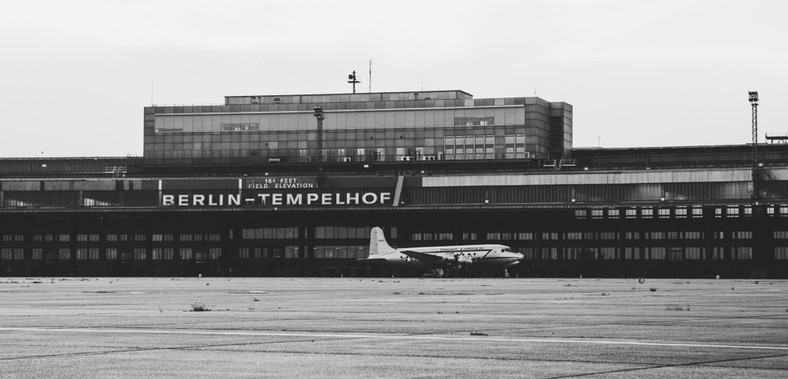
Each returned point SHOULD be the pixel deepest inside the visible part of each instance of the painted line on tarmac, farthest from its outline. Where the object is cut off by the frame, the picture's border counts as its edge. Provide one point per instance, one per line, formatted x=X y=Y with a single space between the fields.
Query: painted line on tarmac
x=394 y=337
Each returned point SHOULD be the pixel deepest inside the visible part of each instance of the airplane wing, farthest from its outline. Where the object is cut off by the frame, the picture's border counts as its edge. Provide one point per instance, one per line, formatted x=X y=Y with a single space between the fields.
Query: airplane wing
x=422 y=257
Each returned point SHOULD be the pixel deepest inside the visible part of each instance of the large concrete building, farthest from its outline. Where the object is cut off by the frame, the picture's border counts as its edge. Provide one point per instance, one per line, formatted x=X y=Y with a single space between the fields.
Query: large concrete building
x=257 y=186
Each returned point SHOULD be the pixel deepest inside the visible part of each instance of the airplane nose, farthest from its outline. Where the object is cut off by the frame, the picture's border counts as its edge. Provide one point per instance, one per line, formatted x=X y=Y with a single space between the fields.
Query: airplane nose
x=520 y=256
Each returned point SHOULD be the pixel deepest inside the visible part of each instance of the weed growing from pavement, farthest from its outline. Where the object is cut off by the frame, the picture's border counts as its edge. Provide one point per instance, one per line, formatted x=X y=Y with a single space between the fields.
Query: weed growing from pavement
x=200 y=307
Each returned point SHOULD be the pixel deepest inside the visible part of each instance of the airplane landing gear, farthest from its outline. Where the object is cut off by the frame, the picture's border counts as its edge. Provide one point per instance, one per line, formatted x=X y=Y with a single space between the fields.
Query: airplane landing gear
x=505 y=273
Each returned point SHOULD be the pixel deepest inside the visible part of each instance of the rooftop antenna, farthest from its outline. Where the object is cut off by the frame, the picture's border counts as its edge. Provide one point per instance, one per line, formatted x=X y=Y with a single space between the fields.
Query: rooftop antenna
x=352 y=79
x=421 y=83
x=370 y=75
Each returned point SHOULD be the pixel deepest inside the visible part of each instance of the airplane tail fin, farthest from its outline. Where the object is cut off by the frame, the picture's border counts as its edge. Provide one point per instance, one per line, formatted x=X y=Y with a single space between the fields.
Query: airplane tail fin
x=377 y=243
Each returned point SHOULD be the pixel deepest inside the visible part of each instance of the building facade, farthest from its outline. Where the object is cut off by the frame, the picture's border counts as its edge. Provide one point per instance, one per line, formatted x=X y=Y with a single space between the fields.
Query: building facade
x=242 y=189
x=442 y=125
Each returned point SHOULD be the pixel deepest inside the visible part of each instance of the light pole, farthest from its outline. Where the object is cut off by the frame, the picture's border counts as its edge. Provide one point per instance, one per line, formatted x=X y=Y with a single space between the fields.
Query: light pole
x=755 y=169
x=320 y=117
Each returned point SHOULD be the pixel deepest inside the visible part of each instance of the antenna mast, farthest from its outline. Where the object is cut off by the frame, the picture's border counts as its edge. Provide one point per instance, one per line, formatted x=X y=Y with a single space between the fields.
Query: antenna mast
x=370 y=75
x=352 y=79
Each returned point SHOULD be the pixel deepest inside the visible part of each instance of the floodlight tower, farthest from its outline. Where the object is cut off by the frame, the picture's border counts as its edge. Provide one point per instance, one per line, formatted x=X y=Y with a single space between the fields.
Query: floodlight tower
x=320 y=117
x=755 y=168
x=754 y=102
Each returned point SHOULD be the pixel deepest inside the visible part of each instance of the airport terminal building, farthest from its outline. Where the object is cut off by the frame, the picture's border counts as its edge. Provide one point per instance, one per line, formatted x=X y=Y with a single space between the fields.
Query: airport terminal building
x=290 y=185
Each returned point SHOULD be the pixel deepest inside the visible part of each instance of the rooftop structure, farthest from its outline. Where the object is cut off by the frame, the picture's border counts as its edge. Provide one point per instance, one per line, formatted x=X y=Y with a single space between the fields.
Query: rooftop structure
x=372 y=127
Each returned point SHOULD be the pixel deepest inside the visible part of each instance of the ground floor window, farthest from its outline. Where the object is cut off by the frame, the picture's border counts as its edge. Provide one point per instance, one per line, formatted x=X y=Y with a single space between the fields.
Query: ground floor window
x=781 y=253
x=341 y=252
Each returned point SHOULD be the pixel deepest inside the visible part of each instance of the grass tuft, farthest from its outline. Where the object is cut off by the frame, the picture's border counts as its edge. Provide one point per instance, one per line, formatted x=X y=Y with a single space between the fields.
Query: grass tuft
x=200 y=307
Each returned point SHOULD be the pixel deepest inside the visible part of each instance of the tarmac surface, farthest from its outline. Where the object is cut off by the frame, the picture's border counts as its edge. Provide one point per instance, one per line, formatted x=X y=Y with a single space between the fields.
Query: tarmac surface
x=385 y=327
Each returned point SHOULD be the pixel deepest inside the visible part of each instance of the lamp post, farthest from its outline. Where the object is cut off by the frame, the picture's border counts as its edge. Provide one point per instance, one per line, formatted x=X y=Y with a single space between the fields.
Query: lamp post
x=755 y=169
x=754 y=102
x=320 y=117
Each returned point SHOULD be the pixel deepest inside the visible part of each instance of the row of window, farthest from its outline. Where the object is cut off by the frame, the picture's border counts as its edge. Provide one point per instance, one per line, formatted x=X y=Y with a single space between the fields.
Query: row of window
x=586 y=236
x=114 y=237
x=289 y=252
x=732 y=211
x=353 y=252
x=644 y=253
x=111 y=254
x=343 y=232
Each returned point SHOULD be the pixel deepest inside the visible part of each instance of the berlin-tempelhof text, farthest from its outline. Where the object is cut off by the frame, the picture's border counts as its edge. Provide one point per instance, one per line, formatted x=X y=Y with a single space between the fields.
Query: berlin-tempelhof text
x=276 y=199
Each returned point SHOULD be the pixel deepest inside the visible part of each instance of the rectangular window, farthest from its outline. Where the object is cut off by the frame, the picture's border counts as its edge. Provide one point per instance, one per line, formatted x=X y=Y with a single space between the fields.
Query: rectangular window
x=656 y=253
x=742 y=253
x=631 y=253
x=524 y=236
x=38 y=254
x=572 y=253
x=186 y=254
x=214 y=253
x=161 y=254
x=780 y=234
x=82 y=254
x=64 y=254
x=111 y=253
x=608 y=235
x=742 y=235
x=781 y=253
x=549 y=253
x=608 y=253
x=693 y=253
x=469 y=237
x=139 y=254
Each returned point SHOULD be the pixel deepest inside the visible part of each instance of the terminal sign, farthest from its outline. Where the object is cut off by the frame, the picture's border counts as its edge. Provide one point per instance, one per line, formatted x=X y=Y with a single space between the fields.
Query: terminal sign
x=277 y=199
x=280 y=183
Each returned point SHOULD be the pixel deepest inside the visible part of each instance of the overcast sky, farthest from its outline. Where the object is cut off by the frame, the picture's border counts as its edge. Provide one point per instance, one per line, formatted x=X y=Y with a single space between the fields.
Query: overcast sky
x=75 y=75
